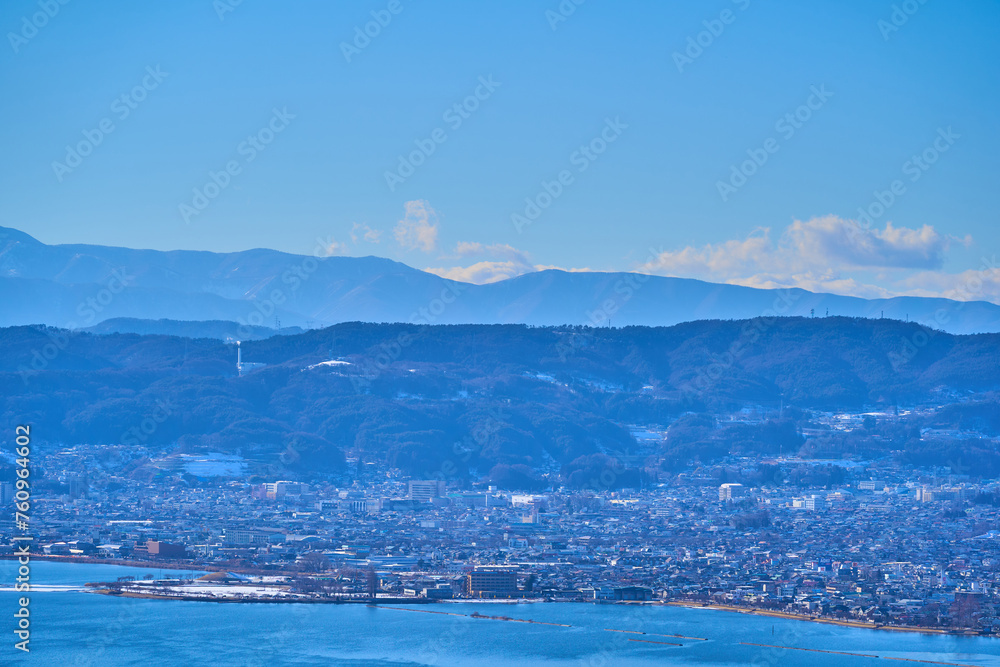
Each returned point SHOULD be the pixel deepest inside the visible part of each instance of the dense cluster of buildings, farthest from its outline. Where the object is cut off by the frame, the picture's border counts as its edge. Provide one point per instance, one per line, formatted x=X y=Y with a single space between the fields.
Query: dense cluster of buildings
x=888 y=545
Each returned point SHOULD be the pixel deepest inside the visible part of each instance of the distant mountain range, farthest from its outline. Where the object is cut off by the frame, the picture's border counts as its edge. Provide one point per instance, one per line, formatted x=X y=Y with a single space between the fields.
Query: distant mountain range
x=93 y=287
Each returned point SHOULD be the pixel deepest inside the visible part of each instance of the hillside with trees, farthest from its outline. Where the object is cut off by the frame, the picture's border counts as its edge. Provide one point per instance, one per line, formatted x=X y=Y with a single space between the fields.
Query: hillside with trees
x=509 y=401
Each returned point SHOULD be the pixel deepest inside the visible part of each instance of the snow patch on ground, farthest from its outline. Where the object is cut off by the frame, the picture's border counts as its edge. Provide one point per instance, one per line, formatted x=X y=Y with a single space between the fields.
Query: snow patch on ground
x=332 y=362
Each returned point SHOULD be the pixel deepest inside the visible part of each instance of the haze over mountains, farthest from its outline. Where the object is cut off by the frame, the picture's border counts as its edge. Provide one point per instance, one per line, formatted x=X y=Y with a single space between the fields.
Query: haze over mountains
x=80 y=286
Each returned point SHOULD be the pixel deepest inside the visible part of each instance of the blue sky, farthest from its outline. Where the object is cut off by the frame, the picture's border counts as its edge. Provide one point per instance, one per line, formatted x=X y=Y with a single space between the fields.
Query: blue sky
x=253 y=125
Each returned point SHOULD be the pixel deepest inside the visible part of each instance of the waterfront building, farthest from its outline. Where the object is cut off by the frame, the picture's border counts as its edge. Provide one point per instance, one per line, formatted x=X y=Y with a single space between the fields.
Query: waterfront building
x=492 y=580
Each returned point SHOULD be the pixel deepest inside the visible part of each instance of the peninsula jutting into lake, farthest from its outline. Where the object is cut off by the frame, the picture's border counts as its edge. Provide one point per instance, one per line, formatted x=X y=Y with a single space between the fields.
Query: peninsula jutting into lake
x=458 y=632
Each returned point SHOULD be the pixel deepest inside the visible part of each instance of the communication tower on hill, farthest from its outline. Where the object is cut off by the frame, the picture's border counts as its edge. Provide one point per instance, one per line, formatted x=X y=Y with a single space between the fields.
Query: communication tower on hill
x=241 y=367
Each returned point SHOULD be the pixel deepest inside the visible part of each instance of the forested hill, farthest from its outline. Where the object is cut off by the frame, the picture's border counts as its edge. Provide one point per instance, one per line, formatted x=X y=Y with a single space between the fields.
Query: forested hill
x=405 y=394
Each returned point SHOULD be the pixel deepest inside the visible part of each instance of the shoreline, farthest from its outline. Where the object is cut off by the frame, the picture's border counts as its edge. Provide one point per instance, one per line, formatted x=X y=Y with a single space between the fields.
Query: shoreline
x=275 y=600
x=689 y=605
x=820 y=619
x=138 y=564
x=420 y=601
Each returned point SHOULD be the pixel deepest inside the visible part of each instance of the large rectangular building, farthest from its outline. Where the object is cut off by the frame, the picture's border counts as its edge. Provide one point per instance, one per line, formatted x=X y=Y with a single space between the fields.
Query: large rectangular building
x=424 y=491
x=731 y=491
x=158 y=549
x=245 y=537
x=491 y=580
x=811 y=503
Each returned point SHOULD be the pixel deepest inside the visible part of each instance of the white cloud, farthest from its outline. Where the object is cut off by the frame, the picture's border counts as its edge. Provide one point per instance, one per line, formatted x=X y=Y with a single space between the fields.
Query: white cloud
x=333 y=247
x=499 y=250
x=831 y=238
x=361 y=231
x=823 y=254
x=498 y=261
x=466 y=248
x=723 y=261
x=815 y=255
x=546 y=267
x=831 y=254
x=817 y=283
x=419 y=227
x=484 y=272
x=827 y=244
x=982 y=284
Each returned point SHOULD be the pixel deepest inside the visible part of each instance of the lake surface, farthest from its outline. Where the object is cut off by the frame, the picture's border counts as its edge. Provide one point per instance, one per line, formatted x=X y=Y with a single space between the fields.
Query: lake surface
x=74 y=628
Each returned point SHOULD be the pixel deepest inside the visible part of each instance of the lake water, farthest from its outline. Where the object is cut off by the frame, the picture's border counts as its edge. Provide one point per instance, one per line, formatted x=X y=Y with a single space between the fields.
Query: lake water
x=74 y=628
